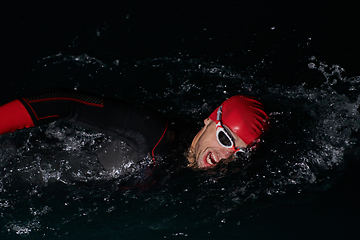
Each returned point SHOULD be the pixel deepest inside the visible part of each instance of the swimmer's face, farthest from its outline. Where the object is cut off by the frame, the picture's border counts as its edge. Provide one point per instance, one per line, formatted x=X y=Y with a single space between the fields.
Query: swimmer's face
x=207 y=150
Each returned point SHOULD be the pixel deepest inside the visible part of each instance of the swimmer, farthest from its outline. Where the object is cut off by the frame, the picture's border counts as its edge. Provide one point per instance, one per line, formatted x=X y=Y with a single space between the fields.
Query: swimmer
x=236 y=126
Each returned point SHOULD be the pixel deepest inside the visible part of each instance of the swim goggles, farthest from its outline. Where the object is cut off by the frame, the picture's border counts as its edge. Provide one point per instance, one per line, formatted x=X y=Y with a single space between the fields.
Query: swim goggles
x=225 y=138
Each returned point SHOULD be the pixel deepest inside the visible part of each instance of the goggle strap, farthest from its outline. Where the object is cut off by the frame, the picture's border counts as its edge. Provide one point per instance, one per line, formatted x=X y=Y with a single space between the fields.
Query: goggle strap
x=219 y=112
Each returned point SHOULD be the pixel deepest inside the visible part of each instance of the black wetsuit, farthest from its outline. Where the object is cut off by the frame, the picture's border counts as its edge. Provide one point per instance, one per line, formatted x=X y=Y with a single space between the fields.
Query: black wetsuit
x=146 y=132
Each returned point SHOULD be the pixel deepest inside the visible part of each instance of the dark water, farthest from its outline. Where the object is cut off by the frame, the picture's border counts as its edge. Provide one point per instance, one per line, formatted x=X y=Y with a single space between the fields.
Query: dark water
x=184 y=58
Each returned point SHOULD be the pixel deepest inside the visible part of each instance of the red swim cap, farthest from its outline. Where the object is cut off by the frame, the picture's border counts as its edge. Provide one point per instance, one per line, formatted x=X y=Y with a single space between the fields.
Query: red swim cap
x=245 y=116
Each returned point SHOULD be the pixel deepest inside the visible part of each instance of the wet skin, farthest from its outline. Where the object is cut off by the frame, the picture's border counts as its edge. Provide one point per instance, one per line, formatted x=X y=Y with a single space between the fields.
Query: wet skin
x=208 y=151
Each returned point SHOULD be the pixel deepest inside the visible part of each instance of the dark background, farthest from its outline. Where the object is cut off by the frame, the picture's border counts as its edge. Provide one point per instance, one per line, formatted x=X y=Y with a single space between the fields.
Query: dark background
x=236 y=32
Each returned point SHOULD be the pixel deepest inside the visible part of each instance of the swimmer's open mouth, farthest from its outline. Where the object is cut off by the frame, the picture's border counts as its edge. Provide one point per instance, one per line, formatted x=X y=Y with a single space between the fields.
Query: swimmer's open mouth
x=210 y=159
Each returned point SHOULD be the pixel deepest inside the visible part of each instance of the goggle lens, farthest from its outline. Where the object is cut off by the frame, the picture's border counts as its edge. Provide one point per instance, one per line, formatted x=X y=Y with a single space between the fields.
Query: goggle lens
x=224 y=139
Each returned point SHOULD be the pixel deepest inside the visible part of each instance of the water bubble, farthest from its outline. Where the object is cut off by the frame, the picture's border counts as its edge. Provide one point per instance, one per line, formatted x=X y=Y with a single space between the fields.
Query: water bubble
x=312 y=65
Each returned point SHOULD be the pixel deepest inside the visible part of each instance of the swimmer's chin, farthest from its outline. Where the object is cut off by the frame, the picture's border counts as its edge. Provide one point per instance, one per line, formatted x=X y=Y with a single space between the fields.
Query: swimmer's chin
x=193 y=160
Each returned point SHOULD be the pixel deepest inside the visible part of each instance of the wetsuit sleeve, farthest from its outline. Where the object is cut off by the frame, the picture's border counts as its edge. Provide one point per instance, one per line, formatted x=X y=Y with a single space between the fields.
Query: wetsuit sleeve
x=145 y=129
x=14 y=116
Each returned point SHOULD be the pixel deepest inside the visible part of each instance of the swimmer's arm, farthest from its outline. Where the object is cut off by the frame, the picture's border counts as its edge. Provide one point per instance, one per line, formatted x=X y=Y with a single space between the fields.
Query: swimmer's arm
x=44 y=107
x=91 y=111
x=142 y=127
